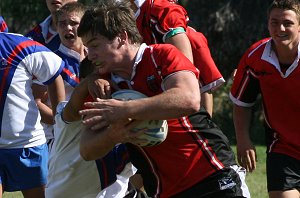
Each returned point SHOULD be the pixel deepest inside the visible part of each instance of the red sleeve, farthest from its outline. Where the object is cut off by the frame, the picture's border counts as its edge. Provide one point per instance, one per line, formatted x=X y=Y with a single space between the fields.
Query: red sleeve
x=169 y=16
x=210 y=76
x=173 y=60
x=245 y=87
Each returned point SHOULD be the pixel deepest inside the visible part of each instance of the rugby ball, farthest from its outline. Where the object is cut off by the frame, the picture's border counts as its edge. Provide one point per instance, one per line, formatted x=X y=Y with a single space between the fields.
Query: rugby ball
x=157 y=130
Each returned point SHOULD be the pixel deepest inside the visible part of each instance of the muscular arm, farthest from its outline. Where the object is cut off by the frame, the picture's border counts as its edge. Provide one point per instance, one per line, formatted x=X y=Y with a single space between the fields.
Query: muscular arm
x=56 y=92
x=181 y=98
x=246 y=153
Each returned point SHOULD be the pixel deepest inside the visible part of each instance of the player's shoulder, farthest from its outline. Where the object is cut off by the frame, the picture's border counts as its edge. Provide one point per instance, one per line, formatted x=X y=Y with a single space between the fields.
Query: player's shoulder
x=258 y=45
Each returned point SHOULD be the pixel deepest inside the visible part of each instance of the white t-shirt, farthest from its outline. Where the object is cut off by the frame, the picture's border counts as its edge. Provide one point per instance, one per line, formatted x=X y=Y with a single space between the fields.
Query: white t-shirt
x=70 y=175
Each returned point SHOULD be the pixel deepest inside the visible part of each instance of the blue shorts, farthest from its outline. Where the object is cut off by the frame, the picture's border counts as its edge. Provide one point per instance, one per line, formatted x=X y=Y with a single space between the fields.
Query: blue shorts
x=23 y=168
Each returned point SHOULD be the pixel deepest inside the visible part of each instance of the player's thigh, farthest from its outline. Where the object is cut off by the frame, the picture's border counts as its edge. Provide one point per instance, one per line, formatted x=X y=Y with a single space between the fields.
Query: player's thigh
x=284 y=194
x=283 y=173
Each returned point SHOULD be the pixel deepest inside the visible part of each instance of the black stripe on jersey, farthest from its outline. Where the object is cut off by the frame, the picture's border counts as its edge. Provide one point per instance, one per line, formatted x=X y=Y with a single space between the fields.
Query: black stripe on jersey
x=216 y=142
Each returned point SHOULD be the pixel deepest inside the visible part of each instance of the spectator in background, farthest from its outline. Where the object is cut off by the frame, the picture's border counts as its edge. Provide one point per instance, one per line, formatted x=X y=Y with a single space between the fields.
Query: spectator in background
x=3 y=25
x=270 y=67
x=23 y=152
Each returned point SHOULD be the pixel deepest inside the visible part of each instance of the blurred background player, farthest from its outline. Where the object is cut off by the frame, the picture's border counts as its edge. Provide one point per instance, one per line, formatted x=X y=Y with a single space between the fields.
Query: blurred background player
x=195 y=160
x=45 y=32
x=163 y=21
x=270 y=68
x=3 y=25
x=72 y=51
x=23 y=148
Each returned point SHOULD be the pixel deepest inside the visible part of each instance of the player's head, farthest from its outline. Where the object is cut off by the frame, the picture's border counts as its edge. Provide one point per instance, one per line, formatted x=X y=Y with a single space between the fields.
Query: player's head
x=110 y=18
x=54 y=5
x=109 y=32
x=283 y=22
x=293 y=5
x=67 y=21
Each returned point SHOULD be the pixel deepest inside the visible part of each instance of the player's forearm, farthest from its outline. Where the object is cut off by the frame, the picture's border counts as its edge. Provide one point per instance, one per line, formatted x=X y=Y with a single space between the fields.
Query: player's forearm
x=207 y=102
x=94 y=144
x=56 y=92
x=242 y=118
x=80 y=93
x=46 y=113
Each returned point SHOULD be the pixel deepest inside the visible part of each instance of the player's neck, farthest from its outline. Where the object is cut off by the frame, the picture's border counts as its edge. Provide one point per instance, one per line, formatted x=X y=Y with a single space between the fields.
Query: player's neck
x=286 y=54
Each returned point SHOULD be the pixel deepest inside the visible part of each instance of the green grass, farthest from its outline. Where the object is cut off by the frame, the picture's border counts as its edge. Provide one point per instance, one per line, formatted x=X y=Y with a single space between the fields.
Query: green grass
x=256 y=180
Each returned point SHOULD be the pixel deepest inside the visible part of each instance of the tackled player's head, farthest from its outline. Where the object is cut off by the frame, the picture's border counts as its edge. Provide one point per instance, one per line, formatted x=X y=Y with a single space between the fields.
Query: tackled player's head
x=109 y=18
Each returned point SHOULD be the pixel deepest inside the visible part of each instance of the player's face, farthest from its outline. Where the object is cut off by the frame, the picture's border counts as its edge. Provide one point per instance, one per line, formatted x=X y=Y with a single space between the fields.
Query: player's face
x=54 y=5
x=67 y=25
x=106 y=55
x=284 y=28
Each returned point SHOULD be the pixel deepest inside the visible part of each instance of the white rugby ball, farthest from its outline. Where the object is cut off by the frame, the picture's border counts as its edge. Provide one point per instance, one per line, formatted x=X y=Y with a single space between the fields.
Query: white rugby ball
x=157 y=130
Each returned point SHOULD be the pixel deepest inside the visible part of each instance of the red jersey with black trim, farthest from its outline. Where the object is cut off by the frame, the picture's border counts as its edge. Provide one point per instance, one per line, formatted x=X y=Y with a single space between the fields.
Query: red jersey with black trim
x=259 y=72
x=194 y=148
x=156 y=18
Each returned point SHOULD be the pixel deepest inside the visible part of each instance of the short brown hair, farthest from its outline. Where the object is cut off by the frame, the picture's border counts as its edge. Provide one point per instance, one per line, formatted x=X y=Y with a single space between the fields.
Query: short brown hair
x=71 y=7
x=109 y=18
x=293 y=5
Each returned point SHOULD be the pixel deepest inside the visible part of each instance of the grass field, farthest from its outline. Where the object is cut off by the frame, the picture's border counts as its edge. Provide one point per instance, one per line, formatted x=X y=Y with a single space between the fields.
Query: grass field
x=256 y=181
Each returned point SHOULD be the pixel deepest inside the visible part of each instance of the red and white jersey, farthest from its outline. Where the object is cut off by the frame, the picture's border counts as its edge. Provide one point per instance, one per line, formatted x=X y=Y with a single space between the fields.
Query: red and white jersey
x=259 y=72
x=21 y=60
x=188 y=154
x=158 y=18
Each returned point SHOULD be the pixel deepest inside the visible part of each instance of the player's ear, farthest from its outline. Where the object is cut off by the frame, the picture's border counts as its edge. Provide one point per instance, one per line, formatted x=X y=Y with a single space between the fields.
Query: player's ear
x=123 y=37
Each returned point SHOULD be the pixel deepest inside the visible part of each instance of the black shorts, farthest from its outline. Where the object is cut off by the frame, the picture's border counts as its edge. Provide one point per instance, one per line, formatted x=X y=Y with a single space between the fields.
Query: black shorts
x=283 y=172
x=228 y=182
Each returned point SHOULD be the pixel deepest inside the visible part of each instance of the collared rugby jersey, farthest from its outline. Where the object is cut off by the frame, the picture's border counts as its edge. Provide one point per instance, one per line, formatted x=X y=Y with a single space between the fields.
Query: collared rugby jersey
x=21 y=60
x=259 y=72
x=194 y=149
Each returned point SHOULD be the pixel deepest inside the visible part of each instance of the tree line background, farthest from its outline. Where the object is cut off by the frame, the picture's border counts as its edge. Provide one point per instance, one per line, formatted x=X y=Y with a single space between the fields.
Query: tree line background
x=230 y=26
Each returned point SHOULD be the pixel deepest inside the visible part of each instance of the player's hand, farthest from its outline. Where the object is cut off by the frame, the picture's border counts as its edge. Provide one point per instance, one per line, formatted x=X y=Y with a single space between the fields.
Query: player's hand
x=103 y=113
x=246 y=155
x=99 y=88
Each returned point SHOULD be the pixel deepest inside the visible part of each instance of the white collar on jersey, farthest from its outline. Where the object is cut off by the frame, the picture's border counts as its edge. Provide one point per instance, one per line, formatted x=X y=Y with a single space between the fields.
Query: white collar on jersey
x=62 y=48
x=270 y=56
